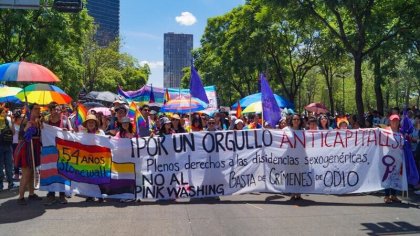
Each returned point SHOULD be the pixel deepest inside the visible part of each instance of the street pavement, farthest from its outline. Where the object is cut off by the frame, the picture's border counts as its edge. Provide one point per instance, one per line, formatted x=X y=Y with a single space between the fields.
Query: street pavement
x=248 y=214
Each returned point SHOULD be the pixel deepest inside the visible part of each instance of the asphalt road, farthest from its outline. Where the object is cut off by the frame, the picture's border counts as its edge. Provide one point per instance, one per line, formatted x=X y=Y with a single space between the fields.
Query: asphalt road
x=250 y=214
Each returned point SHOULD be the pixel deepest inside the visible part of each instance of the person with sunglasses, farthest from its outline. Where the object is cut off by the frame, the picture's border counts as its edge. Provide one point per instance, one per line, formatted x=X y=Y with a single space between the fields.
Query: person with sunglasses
x=324 y=123
x=176 y=124
x=211 y=124
x=146 y=130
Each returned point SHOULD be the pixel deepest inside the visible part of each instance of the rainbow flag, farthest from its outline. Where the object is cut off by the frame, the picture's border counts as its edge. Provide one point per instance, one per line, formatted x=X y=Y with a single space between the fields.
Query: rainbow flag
x=238 y=110
x=132 y=110
x=87 y=163
x=81 y=114
x=139 y=121
x=166 y=97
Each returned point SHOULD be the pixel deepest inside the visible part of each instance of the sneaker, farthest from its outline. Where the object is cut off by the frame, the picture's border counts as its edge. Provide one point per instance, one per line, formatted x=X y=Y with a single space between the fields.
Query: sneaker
x=34 y=197
x=22 y=202
x=62 y=200
x=50 y=200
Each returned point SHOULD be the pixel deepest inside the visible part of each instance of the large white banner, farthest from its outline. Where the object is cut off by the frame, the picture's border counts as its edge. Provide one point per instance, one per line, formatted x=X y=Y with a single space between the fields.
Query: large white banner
x=205 y=164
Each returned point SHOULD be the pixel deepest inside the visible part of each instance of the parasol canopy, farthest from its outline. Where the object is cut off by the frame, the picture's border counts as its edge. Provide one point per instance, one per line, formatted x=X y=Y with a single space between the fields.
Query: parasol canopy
x=26 y=72
x=43 y=94
x=184 y=104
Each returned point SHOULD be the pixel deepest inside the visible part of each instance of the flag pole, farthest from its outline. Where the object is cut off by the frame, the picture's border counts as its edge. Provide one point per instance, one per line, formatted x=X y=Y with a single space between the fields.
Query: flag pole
x=31 y=142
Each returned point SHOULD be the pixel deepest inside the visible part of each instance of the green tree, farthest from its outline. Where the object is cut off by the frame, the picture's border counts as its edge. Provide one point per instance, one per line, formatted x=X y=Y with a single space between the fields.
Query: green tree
x=361 y=26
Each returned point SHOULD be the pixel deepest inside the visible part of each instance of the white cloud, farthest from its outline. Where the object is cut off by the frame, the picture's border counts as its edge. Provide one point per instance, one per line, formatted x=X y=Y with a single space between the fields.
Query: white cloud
x=186 y=18
x=153 y=64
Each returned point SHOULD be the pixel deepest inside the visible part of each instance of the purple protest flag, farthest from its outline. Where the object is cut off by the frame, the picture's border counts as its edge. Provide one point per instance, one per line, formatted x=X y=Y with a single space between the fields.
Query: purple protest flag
x=410 y=164
x=196 y=87
x=270 y=109
x=152 y=95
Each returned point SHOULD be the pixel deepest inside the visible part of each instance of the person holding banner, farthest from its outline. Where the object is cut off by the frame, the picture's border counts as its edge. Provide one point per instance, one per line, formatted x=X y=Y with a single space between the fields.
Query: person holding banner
x=126 y=130
x=238 y=125
x=146 y=130
x=342 y=123
x=55 y=119
x=27 y=153
x=91 y=125
x=390 y=193
x=176 y=124
x=166 y=128
x=312 y=123
x=324 y=122
x=296 y=123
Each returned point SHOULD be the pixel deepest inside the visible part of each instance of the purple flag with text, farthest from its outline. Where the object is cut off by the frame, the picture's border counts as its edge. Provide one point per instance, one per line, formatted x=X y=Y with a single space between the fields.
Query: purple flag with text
x=196 y=87
x=270 y=109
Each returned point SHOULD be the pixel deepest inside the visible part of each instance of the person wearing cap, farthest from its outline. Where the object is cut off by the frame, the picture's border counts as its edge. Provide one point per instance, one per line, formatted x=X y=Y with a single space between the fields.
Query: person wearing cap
x=126 y=130
x=152 y=121
x=239 y=124
x=121 y=112
x=390 y=193
x=176 y=124
x=166 y=128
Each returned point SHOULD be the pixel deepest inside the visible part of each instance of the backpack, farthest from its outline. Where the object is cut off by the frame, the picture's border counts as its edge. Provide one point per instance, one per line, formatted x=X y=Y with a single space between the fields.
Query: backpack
x=6 y=135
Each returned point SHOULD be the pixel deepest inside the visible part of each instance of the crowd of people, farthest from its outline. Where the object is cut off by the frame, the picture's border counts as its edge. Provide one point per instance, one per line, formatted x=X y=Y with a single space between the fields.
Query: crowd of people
x=20 y=144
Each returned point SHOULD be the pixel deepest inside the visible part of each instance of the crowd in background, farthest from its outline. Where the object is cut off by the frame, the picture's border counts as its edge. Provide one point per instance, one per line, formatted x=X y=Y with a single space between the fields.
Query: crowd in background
x=21 y=129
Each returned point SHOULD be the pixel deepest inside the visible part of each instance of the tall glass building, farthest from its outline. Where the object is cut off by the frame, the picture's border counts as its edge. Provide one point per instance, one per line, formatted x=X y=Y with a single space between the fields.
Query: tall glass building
x=106 y=14
x=176 y=55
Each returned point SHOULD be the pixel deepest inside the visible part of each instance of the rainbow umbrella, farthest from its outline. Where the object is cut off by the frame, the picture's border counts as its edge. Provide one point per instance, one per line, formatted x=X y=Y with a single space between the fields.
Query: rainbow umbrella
x=184 y=104
x=255 y=107
x=8 y=94
x=26 y=72
x=43 y=94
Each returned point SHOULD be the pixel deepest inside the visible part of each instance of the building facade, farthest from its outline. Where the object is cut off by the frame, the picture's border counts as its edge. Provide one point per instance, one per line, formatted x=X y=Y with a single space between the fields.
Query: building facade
x=106 y=14
x=176 y=55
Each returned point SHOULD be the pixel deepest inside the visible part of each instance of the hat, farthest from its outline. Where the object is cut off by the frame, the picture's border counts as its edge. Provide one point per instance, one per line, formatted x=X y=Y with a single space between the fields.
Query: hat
x=164 y=120
x=237 y=121
x=341 y=120
x=119 y=101
x=125 y=120
x=120 y=107
x=393 y=117
x=152 y=112
x=90 y=117
x=176 y=116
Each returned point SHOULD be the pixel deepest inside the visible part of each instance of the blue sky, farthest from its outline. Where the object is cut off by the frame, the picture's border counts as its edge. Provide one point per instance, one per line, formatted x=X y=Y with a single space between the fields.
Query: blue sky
x=143 y=23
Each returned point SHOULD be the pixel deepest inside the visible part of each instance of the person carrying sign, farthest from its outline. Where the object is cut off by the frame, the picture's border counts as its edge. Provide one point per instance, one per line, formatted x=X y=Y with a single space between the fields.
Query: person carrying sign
x=27 y=153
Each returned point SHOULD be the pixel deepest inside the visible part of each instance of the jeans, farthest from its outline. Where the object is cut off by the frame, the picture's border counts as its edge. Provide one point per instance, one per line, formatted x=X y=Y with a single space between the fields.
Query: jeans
x=6 y=161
